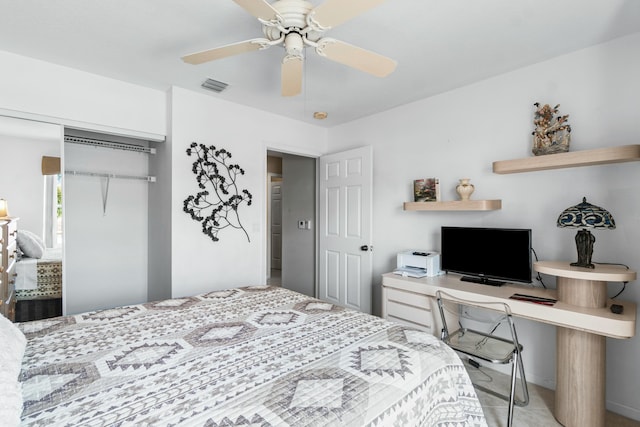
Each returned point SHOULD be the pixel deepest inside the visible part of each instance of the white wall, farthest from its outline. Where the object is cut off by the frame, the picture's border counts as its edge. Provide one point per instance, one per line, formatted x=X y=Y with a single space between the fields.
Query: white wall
x=105 y=249
x=22 y=145
x=65 y=94
x=198 y=263
x=460 y=133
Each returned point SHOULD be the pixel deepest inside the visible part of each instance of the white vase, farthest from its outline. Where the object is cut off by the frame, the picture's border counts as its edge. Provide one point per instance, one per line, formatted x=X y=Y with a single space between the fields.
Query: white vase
x=465 y=189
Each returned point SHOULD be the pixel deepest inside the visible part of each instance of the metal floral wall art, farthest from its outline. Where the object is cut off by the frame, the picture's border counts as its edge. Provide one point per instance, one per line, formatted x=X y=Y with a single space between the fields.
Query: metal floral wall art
x=216 y=205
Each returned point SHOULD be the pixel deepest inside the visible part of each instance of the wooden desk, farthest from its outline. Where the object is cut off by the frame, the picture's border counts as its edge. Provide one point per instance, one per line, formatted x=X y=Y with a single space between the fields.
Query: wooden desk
x=581 y=355
x=582 y=325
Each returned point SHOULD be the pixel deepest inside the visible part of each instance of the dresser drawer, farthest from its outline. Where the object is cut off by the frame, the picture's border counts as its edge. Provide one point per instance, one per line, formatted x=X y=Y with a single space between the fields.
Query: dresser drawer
x=9 y=233
x=9 y=307
x=13 y=228
x=9 y=255
x=10 y=278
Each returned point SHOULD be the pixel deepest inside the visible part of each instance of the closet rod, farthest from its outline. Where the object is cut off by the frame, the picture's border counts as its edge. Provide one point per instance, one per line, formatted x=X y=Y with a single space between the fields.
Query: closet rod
x=109 y=144
x=112 y=175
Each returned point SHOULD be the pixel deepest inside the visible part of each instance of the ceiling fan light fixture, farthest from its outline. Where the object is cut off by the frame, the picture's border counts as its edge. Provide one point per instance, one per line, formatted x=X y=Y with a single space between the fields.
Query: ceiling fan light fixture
x=297 y=24
x=214 y=85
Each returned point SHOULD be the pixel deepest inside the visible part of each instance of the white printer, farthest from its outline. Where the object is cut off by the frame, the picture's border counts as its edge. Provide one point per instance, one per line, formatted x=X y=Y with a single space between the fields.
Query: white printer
x=418 y=263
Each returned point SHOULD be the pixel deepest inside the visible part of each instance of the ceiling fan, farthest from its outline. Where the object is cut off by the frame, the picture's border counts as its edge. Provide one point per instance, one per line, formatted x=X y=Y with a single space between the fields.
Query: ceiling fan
x=296 y=24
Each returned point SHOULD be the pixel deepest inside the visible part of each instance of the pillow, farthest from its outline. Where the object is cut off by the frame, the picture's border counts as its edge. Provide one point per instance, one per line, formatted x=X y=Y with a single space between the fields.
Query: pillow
x=30 y=244
x=11 y=353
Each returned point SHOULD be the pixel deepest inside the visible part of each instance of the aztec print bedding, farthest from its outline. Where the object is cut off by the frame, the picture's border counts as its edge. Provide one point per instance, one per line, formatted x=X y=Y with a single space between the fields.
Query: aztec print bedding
x=258 y=356
x=49 y=282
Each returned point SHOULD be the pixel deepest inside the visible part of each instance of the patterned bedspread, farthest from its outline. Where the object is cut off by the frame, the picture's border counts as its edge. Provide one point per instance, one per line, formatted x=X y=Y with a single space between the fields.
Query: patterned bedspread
x=255 y=356
x=49 y=282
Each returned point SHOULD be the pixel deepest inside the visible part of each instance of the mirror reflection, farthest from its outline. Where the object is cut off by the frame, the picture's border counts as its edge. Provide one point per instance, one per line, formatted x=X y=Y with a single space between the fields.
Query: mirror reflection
x=31 y=186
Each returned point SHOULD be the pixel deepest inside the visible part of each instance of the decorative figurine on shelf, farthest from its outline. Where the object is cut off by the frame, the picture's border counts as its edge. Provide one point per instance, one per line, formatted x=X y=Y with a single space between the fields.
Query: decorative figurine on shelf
x=552 y=134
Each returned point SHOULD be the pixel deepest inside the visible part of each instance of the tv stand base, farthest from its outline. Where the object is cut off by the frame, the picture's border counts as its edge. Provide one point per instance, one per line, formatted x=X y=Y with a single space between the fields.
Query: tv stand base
x=482 y=280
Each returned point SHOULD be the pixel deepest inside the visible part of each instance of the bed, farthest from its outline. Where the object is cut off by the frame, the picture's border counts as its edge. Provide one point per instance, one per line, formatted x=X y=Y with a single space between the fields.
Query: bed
x=39 y=278
x=39 y=286
x=259 y=356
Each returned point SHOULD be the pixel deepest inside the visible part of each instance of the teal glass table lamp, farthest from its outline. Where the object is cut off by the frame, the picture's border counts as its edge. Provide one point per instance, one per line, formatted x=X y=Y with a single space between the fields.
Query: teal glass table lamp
x=584 y=216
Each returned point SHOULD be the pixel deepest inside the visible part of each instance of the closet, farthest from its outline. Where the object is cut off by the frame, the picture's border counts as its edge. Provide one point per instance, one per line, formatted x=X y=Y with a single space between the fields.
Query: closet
x=106 y=205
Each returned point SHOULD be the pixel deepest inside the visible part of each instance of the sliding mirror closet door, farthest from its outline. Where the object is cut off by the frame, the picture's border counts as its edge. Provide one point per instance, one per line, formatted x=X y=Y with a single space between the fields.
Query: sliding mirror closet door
x=31 y=186
x=106 y=188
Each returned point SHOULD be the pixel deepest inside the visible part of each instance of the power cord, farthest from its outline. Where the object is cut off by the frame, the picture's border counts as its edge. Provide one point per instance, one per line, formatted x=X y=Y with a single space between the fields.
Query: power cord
x=611 y=263
x=624 y=284
x=538 y=276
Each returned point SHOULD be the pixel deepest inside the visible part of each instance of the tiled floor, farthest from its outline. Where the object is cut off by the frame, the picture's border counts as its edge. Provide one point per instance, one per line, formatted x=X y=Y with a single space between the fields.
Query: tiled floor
x=539 y=412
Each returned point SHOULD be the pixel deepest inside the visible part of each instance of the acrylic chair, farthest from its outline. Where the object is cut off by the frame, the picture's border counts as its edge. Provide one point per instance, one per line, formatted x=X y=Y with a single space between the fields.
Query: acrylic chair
x=486 y=346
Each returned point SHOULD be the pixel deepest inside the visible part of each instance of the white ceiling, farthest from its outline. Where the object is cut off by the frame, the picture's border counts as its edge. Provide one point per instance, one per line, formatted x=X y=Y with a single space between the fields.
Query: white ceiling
x=439 y=45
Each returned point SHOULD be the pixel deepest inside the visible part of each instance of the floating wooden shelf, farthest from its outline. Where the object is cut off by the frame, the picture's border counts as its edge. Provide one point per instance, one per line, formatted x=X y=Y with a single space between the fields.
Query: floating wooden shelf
x=455 y=205
x=599 y=156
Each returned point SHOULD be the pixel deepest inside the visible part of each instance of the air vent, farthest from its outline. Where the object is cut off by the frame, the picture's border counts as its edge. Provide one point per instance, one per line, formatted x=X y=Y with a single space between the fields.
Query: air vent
x=214 y=85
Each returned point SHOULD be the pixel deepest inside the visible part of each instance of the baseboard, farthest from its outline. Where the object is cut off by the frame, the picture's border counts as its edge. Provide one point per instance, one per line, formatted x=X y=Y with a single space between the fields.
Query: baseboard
x=625 y=411
x=542 y=382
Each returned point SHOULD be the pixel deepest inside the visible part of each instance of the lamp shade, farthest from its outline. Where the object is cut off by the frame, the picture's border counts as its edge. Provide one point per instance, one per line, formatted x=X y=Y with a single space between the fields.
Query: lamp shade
x=586 y=215
x=4 y=208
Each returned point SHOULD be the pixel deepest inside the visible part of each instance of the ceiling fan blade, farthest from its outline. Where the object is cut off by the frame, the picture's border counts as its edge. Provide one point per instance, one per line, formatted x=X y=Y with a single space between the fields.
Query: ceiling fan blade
x=224 y=51
x=356 y=57
x=291 y=78
x=258 y=8
x=334 y=12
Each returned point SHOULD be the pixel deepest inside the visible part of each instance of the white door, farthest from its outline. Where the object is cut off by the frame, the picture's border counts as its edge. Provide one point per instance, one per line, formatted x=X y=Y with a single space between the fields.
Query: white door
x=276 y=225
x=345 y=228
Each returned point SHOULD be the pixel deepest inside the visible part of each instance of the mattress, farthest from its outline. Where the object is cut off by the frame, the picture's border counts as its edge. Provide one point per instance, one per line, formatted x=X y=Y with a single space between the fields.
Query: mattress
x=259 y=356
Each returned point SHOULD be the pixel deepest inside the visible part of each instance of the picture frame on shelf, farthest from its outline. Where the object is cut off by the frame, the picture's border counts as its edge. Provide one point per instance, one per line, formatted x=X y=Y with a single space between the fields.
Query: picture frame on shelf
x=426 y=190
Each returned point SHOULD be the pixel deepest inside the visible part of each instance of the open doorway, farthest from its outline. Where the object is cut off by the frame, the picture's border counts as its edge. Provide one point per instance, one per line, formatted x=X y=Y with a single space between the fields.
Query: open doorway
x=274 y=219
x=291 y=213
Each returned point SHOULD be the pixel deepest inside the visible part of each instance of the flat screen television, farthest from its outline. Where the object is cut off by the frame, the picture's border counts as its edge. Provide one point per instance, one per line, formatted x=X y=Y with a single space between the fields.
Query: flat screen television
x=490 y=256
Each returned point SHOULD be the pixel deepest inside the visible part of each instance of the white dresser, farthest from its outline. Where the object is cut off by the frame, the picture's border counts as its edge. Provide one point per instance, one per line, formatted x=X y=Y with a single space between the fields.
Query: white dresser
x=8 y=255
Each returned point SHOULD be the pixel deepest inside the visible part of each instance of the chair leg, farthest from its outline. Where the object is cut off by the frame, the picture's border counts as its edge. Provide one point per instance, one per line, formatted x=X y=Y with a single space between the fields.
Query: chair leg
x=512 y=392
x=523 y=380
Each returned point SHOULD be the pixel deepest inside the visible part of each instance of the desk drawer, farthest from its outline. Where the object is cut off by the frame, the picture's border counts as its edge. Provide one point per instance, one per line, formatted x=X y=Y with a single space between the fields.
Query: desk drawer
x=409 y=298
x=416 y=316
